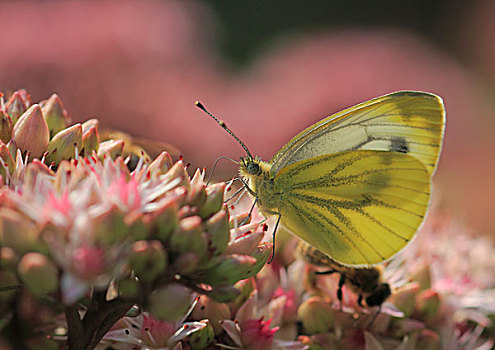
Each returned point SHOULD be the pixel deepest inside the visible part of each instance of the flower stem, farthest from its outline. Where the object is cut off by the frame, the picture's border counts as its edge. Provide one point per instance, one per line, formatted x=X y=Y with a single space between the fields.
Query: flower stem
x=86 y=333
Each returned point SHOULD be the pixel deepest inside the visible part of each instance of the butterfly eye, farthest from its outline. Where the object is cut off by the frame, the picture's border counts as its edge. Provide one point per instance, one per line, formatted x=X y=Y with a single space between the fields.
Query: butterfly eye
x=253 y=168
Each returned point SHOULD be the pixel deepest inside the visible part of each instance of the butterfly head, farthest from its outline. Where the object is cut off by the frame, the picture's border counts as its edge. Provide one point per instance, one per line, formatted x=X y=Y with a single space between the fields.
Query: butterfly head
x=250 y=166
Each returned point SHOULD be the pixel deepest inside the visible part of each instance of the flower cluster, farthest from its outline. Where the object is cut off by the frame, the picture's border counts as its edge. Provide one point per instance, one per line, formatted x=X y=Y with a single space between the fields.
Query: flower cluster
x=83 y=232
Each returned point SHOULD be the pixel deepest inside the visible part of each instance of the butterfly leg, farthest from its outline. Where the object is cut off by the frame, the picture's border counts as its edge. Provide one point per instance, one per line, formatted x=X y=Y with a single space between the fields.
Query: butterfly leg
x=215 y=165
x=235 y=194
x=273 y=235
x=248 y=218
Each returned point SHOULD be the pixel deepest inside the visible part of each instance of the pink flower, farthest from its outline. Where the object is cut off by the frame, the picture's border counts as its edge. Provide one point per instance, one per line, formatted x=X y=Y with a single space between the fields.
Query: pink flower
x=256 y=334
x=156 y=332
x=125 y=193
x=146 y=332
x=290 y=305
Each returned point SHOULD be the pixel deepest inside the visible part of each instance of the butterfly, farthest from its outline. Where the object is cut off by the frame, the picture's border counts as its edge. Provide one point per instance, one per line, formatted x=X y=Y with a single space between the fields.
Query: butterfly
x=355 y=185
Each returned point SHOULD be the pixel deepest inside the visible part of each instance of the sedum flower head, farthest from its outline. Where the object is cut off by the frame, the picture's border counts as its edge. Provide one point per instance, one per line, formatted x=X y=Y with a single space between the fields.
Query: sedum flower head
x=98 y=222
x=86 y=228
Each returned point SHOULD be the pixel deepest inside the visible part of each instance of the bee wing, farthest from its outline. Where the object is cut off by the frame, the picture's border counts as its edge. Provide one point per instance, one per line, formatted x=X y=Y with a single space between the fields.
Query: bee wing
x=406 y=122
x=358 y=207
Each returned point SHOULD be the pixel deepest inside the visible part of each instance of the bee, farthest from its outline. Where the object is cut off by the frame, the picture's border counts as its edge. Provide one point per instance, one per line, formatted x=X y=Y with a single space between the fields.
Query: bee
x=366 y=282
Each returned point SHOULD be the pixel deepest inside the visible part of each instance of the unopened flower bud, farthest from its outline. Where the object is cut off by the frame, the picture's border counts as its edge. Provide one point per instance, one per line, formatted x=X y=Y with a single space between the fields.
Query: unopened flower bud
x=6 y=127
x=128 y=288
x=7 y=161
x=17 y=232
x=108 y=225
x=110 y=148
x=246 y=287
x=8 y=258
x=422 y=275
x=90 y=123
x=223 y=293
x=26 y=97
x=428 y=303
x=214 y=200
x=218 y=230
x=164 y=218
x=15 y=106
x=189 y=236
x=148 y=259
x=64 y=144
x=213 y=311
x=203 y=337
x=31 y=132
x=33 y=169
x=12 y=146
x=404 y=298
x=90 y=141
x=316 y=315
x=187 y=211
x=196 y=195
x=231 y=269
x=246 y=243
x=187 y=262
x=170 y=302
x=54 y=114
x=161 y=164
x=178 y=171
x=38 y=273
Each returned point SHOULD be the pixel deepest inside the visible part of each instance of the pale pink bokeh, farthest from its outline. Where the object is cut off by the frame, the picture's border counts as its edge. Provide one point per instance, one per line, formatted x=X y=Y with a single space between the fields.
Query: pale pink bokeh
x=140 y=67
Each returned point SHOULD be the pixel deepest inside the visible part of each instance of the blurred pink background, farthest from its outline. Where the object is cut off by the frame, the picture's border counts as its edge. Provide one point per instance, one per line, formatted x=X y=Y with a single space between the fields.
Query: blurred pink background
x=139 y=67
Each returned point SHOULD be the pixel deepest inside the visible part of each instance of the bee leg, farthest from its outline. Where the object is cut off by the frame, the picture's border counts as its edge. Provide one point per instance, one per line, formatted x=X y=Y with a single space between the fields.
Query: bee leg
x=273 y=239
x=375 y=316
x=339 y=291
x=360 y=300
x=328 y=272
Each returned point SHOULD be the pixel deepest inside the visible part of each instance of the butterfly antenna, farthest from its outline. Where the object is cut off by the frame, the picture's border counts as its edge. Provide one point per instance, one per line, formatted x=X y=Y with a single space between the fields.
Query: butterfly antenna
x=224 y=126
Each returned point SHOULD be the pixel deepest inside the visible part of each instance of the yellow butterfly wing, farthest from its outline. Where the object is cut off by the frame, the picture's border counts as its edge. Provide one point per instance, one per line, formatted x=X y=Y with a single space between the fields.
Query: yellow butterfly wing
x=406 y=121
x=359 y=207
